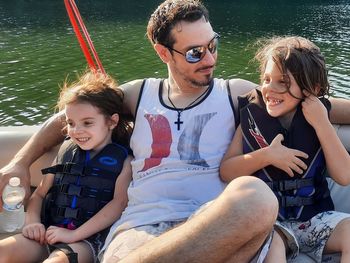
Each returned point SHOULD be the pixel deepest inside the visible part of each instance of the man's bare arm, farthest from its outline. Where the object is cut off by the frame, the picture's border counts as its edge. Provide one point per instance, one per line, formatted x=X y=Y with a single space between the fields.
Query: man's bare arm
x=340 y=111
x=47 y=137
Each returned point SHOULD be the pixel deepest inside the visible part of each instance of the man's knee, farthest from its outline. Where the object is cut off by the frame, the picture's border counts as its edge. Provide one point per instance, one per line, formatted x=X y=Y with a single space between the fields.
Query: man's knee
x=6 y=250
x=253 y=198
x=4 y=255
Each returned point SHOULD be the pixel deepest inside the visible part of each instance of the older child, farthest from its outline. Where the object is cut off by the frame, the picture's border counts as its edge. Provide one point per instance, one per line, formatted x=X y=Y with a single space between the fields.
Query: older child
x=285 y=138
x=69 y=213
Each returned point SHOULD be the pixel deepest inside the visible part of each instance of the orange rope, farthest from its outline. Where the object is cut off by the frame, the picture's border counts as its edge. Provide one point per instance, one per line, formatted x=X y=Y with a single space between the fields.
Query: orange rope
x=74 y=15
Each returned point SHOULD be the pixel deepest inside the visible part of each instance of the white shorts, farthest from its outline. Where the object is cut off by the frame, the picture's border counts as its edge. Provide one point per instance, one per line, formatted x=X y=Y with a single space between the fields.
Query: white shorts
x=128 y=240
x=310 y=237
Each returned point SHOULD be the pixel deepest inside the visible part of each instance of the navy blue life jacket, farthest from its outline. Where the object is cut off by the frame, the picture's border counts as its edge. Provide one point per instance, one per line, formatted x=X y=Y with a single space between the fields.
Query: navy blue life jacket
x=302 y=196
x=82 y=186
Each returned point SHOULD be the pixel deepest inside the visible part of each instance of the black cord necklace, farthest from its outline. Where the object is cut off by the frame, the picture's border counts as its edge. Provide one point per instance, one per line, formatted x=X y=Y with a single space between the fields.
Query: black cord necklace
x=178 y=122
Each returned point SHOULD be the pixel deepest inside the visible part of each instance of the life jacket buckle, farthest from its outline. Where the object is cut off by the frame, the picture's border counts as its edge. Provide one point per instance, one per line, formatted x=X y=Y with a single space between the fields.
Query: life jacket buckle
x=71 y=189
x=287 y=201
x=73 y=168
x=68 y=212
x=285 y=185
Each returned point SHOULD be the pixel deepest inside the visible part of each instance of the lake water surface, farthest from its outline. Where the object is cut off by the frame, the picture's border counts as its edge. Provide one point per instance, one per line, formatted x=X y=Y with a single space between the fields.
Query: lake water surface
x=38 y=48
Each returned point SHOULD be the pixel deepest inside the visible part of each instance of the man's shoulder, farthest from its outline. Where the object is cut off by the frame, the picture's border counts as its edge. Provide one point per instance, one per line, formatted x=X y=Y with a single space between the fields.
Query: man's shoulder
x=133 y=84
x=136 y=84
x=240 y=87
x=131 y=92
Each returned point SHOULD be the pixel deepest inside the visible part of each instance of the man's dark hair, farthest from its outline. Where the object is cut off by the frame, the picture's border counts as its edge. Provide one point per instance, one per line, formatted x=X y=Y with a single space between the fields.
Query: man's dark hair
x=168 y=14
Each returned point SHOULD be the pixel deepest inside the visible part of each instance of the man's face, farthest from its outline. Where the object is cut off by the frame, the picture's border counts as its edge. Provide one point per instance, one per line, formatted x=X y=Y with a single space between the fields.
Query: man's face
x=188 y=35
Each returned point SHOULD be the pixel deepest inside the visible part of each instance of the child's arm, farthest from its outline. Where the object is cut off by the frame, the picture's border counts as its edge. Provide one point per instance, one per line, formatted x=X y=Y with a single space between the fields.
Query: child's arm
x=33 y=228
x=337 y=158
x=235 y=163
x=103 y=219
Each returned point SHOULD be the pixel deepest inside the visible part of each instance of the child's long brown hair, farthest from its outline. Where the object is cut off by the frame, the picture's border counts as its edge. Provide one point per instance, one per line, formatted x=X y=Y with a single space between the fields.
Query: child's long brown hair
x=299 y=56
x=102 y=92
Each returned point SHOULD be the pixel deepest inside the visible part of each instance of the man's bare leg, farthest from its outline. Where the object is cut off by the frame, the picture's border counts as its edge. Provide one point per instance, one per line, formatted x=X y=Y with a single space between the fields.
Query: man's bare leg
x=231 y=229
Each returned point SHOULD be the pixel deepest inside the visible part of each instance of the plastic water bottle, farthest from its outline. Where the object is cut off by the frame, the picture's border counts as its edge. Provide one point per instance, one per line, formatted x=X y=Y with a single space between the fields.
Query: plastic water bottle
x=13 y=212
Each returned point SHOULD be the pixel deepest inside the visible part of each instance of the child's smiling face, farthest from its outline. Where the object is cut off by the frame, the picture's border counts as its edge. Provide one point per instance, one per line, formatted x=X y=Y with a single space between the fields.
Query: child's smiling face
x=279 y=101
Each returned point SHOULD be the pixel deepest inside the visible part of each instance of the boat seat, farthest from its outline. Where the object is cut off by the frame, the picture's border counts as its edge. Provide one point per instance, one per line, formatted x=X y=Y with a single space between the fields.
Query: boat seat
x=13 y=138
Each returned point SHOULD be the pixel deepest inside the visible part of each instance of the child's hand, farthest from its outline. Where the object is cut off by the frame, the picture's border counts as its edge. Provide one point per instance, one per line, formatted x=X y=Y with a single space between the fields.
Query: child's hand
x=285 y=158
x=56 y=234
x=35 y=231
x=314 y=111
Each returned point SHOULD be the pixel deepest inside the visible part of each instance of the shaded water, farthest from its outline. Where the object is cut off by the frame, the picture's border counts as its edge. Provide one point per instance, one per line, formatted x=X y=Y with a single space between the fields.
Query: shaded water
x=38 y=48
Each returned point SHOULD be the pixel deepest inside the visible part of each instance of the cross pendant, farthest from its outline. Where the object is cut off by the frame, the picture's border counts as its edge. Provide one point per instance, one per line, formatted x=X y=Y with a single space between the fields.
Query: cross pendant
x=178 y=122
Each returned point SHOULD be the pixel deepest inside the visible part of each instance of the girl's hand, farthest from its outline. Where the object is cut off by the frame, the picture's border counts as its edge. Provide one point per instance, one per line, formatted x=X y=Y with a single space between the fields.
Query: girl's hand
x=56 y=234
x=285 y=158
x=35 y=231
x=314 y=111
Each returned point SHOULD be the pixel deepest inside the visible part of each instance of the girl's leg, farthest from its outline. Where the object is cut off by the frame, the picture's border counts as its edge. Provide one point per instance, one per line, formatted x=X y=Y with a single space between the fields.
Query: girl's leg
x=339 y=240
x=277 y=251
x=20 y=249
x=81 y=248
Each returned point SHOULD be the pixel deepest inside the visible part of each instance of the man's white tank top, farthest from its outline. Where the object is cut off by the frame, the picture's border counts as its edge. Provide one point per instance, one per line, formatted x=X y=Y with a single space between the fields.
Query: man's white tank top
x=175 y=171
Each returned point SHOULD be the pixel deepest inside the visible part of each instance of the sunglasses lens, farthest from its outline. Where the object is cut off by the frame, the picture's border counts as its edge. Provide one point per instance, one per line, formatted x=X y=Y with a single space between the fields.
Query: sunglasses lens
x=213 y=45
x=195 y=54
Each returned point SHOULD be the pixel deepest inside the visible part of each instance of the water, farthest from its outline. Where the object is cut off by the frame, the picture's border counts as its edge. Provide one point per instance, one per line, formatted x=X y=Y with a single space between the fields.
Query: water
x=38 y=48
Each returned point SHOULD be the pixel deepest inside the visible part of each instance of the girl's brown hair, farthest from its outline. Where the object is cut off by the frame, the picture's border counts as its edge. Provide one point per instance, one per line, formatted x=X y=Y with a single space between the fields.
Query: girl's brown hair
x=101 y=91
x=299 y=56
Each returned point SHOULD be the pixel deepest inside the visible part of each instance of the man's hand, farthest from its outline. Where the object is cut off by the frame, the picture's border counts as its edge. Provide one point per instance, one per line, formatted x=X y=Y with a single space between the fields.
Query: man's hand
x=11 y=170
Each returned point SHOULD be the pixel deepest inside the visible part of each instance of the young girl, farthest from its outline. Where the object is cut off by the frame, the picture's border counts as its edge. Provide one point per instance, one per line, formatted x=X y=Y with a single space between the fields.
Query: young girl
x=285 y=138
x=69 y=213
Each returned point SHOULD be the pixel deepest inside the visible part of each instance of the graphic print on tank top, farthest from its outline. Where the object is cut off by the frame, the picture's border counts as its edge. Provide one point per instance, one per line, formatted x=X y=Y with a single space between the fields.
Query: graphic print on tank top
x=188 y=146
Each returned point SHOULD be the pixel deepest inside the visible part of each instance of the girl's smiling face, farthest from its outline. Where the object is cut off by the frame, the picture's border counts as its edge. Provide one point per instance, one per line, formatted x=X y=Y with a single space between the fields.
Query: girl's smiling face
x=280 y=101
x=87 y=126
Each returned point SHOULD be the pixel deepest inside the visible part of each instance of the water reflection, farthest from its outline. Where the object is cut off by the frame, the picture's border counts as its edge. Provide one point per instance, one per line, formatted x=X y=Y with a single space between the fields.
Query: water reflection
x=38 y=47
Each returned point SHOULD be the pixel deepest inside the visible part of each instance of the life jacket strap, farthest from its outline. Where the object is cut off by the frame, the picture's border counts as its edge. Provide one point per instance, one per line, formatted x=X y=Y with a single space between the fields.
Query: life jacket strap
x=71 y=168
x=72 y=189
x=286 y=185
x=89 y=204
x=288 y=201
x=67 y=212
x=61 y=213
x=77 y=169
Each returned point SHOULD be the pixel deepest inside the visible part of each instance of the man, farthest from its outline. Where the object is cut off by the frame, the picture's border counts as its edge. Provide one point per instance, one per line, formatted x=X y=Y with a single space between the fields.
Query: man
x=183 y=126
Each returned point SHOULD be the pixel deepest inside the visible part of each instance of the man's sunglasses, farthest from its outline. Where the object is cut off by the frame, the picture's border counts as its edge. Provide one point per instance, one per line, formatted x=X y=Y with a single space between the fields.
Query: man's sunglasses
x=196 y=54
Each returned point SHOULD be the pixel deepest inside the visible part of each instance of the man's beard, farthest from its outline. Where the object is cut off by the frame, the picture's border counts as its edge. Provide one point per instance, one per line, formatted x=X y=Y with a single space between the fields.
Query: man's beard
x=201 y=84
x=194 y=82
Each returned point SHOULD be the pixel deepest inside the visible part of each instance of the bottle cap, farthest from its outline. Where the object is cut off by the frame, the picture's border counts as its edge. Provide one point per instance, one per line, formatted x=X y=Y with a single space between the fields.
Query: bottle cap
x=14 y=181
